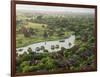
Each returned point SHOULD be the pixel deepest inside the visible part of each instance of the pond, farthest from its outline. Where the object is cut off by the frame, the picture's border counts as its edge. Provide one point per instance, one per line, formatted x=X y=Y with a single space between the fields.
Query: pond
x=66 y=43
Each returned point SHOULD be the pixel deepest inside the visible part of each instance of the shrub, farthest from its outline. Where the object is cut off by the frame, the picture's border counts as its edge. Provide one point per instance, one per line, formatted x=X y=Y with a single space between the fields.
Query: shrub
x=45 y=50
x=20 y=41
x=63 y=49
x=34 y=68
x=66 y=54
x=39 y=56
x=41 y=65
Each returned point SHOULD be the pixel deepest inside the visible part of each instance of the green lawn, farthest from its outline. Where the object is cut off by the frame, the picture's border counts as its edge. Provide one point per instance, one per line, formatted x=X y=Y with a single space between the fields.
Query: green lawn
x=24 y=41
x=35 y=26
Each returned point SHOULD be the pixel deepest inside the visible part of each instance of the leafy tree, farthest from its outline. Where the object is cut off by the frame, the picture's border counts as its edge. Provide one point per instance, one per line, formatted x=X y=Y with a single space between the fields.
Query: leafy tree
x=39 y=17
x=24 y=63
x=29 y=50
x=34 y=68
x=32 y=31
x=24 y=30
x=26 y=69
x=48 y=62
x=45 y=35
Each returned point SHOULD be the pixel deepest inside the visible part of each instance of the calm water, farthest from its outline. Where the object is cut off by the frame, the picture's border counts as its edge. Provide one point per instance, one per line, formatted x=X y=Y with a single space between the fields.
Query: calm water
x=48 y=45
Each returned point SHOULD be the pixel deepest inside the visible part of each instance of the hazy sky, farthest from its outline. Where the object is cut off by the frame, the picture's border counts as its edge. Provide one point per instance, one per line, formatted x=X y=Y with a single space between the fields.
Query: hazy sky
x=53 y=8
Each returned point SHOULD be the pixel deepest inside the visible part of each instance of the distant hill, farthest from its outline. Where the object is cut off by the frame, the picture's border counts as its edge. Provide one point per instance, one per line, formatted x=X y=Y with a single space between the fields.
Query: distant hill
x=51 y=12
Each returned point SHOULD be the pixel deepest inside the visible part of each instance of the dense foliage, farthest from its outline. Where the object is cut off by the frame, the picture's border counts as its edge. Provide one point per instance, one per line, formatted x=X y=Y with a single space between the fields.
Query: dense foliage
x=37 y=28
